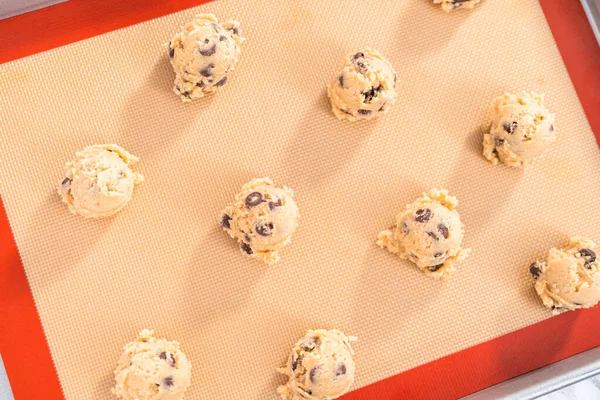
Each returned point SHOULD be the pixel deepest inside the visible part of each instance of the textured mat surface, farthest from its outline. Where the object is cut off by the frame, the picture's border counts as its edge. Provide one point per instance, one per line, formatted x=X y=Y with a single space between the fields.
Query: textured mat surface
x=163 y=262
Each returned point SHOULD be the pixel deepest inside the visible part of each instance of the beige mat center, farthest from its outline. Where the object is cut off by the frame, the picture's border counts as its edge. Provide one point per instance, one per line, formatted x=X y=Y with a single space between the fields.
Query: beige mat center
x=164 y=263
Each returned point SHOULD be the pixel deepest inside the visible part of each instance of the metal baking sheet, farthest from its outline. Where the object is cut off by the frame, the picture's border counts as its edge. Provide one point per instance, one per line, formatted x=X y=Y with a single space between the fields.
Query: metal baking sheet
x=592 y=9
x=11 y=8
x=544 y=380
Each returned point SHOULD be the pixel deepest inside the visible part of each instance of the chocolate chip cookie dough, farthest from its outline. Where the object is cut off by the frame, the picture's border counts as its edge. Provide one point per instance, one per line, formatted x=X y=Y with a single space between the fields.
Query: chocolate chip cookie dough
x=320 y=367
x=203 y=54
x=569 y=278
x=262 y=219
x=152 y=369
x=99 y=181
x=449 y=5
x=365 y=88
x=522 y=129
x=429 y=233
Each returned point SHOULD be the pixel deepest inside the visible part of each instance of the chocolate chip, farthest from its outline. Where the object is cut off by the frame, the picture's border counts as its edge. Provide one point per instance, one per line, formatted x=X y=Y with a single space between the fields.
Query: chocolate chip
x=361 y=64
x=510 y=128
x=357 y=56
x=66 y=181
x=457 y=3
x=208 y=51
x=171 y=51
x=443 y=230
x=275 y=204
x=340 y=370
x=433 y=236
x=498 y=142
x=295 y=363
x=382 y=106
x=588 y=255
x=247 y=237
x=200 y=84
x=535 y=270
x=246 y=248
x=313 y=373
x=170 y=359
x=168 y=381
x=341 y=79
x=551 y=128
x=302 y=392
x=234 y=30
x=370 y=94
x=264 y=229
x=185 y=94
x=222 y=38
x=215 y=26
x=225 y=221
x=423 y=215
x=404 y=227
x=436 y=255
x=206 y=70
x=363 y=112
x=435 y=267
x=254 y=199
x=394 y=77
x=310 y=343
x=221 y=82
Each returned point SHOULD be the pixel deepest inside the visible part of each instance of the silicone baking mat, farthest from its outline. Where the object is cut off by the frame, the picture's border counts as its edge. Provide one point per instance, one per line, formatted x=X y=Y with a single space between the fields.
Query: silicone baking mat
x=163 y=263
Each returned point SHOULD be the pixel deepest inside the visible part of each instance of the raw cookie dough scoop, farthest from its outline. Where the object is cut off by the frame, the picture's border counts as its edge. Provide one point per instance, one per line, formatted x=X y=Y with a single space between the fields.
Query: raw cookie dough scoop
x=449 y=5
x=366 y=87
x=262 y=219
x=522 y=129
x=429 y=233
x=569 y=278
x=203 y=54
x=320 y=367
x=152 y=369
x=99 y=181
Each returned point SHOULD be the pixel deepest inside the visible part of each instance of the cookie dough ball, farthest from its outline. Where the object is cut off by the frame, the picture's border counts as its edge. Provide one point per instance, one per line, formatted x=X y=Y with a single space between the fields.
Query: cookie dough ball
x=262 y=219
x=365 y=88
x=320 y=367
x=203 y=54
x=522 y=129
x=449 y=5
x=152 y=369
x=429 y=233
x=99 y=182
x=569 y=278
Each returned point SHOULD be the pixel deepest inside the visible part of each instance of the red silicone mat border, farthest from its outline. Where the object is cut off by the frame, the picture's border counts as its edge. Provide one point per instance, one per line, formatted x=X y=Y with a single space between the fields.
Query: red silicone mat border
x=23 y=345
x=22 y=341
